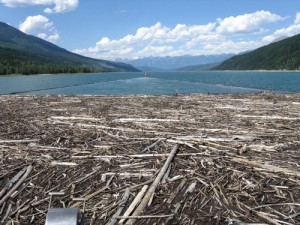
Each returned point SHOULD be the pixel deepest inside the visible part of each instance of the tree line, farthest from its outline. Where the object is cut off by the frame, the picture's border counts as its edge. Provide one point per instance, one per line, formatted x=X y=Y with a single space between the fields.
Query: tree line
x=14 y=62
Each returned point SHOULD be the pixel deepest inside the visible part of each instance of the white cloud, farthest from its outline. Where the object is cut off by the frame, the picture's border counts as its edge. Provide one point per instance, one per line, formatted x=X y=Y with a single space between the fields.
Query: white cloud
x=289 y=31
x=34 y=24
x=63 y=6
x=40 y=26
x=228 y=35
x=59 y=5
x=149 y=41
x=230 y=46
x=247 y=23
x=54 y=38
x=297 y=20
x=156 y=50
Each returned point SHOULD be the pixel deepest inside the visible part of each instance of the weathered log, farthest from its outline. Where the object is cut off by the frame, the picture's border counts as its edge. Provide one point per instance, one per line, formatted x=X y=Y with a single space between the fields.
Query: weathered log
x=121 y=207
x=11 y=191
x=271 y=168
x=134 y=203
x=154 y=185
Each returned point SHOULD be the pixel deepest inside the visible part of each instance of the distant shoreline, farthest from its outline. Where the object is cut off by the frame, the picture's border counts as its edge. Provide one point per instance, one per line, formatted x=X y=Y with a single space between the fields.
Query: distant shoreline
x=267 y=71
x=260 y=71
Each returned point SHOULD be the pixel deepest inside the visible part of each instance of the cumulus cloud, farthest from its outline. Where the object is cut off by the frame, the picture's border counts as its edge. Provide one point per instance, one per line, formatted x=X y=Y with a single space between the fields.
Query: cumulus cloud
x=289 y=31
x=235 y=47
x=297 y=20
x=228 y=35
x=247 y=23
x=150 y=41
x=59 y=5
x=40 y=26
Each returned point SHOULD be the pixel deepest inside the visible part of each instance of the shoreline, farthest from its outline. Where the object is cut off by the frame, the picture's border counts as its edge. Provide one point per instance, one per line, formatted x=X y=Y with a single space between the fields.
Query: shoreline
x=166 y=71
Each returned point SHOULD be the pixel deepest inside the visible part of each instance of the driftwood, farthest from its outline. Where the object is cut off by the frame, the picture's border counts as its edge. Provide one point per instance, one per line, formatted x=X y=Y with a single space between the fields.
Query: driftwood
x=271 y=168
x=18 y=141
x=17 y=185
x=238 y=161
x=134 y=203
x=154 y=185
x=121 y=207
x=143 y=217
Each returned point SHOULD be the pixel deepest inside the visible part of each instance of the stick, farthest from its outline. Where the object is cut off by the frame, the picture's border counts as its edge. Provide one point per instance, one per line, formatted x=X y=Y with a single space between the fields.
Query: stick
x=54 y=163
x=154 y=185
x=122 y=120
x=19 y=141
x=75 y=118
x=29 y=169
x=89 y=196
x=11 y=182
x=278 y=204
x=134 y=203
x=121 y=207
x=271 y=168
x=143 y=217
x=136 y=156
x=76 y=205
x=261 y=215
x=153 y=145
x=179 y=187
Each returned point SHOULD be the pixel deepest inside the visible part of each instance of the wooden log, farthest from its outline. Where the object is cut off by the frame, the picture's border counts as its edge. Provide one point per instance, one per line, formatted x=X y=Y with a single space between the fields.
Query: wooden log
x=153 y=145
x=154 y=185
x=17 y=185
x=18 y=141
x=134 y=203
x=7 y=213
x=270 y=168
x=121 y=207
x=261 y=215
x=179 y=187
x=140 y=120
x=144 y=217
x=75 y=118
x=55 y=163
x=11 y=182
x=89 y=196
x=138 y=156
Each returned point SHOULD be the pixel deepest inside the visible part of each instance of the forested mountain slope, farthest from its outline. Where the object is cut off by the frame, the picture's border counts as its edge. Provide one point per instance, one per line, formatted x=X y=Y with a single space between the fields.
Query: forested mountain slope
x=281 y=55
x=26 y=54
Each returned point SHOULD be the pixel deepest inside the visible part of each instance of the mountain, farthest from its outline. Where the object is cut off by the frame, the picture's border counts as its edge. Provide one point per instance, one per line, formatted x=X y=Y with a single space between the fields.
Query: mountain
x=280 y=55
x=26 y=54
x=200 y=67
x=175 y=62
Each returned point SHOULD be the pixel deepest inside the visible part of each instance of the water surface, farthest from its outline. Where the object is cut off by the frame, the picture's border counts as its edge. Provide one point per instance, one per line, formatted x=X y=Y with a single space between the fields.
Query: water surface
x=155 y=83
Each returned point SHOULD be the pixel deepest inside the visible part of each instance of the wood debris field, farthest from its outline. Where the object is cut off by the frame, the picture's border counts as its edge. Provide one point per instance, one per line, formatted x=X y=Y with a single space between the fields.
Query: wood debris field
x=184 y=159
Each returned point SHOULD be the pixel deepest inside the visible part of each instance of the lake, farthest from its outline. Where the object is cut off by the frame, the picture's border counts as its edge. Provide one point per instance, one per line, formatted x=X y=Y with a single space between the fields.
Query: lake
x=155 y=83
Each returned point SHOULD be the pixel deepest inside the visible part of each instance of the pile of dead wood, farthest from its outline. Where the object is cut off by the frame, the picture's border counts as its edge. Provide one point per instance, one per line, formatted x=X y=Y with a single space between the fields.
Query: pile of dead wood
x=195 y=159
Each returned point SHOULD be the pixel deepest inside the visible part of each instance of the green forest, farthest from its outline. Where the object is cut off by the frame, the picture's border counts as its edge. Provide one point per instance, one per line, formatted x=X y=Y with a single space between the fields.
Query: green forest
x=26 y=54
x=16 y=62
x=281 y=55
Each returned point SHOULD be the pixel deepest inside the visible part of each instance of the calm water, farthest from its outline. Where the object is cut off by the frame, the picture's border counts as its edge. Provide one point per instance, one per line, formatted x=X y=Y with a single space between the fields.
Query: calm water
x=154 y=83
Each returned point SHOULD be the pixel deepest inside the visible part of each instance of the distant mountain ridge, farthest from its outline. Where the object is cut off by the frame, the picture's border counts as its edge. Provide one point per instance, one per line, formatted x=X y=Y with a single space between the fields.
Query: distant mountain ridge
x=200 y=67
x=175 y=62
x=26 y=54
x=279 y=55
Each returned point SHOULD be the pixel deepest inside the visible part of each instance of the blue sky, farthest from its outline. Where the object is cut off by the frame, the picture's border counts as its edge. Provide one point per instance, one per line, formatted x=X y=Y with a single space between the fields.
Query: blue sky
x=115 y=29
